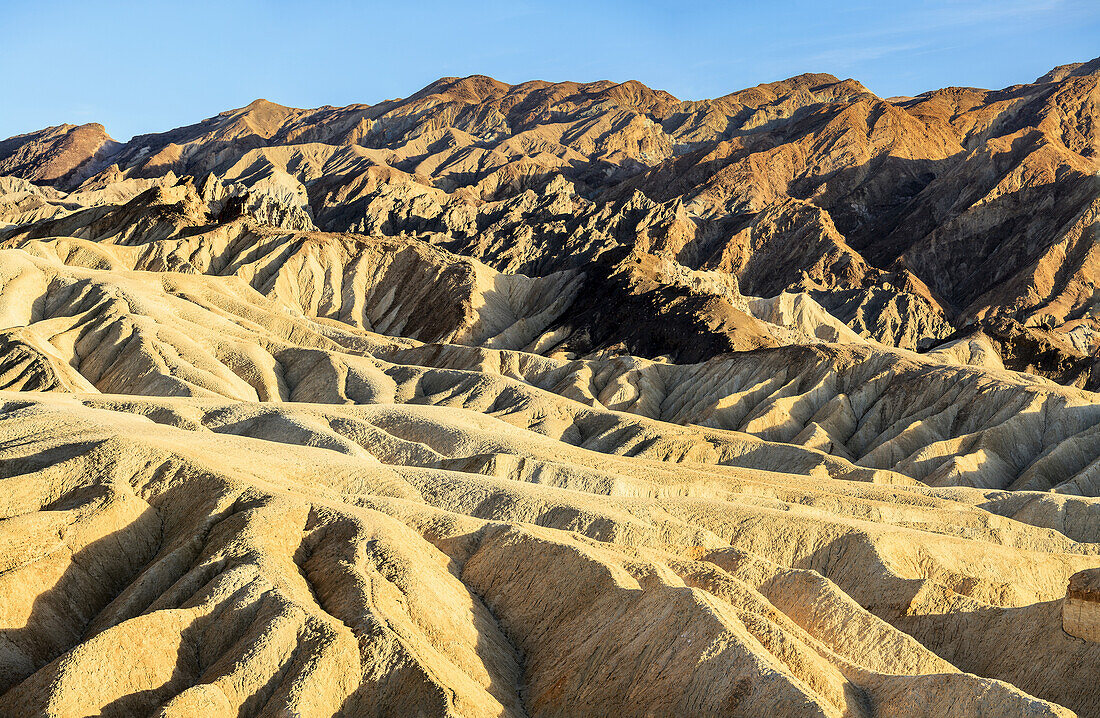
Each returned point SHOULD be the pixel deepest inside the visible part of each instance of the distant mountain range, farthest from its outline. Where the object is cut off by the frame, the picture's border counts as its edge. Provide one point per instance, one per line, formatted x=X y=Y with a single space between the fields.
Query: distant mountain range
x=958 y=212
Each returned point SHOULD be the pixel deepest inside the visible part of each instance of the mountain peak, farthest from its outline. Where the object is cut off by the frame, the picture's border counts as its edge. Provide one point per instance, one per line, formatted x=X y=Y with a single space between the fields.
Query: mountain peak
x=470 y=89
x=1075 y=69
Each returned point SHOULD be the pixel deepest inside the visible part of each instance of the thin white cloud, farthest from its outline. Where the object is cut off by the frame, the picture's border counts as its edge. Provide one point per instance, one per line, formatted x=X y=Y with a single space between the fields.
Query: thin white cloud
x=853 y=55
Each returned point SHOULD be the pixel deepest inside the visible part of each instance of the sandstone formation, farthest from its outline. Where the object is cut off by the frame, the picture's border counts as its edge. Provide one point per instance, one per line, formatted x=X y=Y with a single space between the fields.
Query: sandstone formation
x=557 y=400
x=1081 y=609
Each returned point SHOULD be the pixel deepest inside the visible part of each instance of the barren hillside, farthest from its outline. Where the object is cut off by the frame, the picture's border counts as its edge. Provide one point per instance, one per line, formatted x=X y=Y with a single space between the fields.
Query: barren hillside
x=557 y=400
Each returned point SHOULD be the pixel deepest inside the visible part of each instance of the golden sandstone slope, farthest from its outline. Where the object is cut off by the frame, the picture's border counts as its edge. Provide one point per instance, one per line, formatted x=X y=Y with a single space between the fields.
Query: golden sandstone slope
x=554 y=399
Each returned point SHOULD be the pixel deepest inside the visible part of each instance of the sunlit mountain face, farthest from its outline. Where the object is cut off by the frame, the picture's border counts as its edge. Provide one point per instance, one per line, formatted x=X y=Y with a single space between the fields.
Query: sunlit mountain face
x=557 y=399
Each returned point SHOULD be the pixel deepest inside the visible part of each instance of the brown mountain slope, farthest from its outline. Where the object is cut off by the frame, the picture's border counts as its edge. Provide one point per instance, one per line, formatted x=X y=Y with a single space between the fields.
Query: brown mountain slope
x=56 y=154
x=558 y=400
x=907 y=219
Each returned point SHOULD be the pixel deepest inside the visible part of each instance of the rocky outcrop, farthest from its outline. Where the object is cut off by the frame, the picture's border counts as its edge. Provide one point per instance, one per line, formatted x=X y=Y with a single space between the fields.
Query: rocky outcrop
x=1081 y=608
x=1037 y=350
x=907 y=219
x=634 y=302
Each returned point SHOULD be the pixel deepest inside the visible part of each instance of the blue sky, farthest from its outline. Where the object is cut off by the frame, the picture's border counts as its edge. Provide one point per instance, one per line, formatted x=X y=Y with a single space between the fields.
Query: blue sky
x=150 y=66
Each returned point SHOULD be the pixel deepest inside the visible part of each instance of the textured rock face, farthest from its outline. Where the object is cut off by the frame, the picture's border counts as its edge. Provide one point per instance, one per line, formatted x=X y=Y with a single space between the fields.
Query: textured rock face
x=298 y=437
x=1038 y=350
x=249 y=470
x=55 y=154
x=906 y=219
x=1081 y=608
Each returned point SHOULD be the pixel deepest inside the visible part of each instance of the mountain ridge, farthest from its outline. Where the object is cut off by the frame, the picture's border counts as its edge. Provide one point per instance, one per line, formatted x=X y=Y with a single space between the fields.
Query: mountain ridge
x=557 y=399
x=806 y=184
